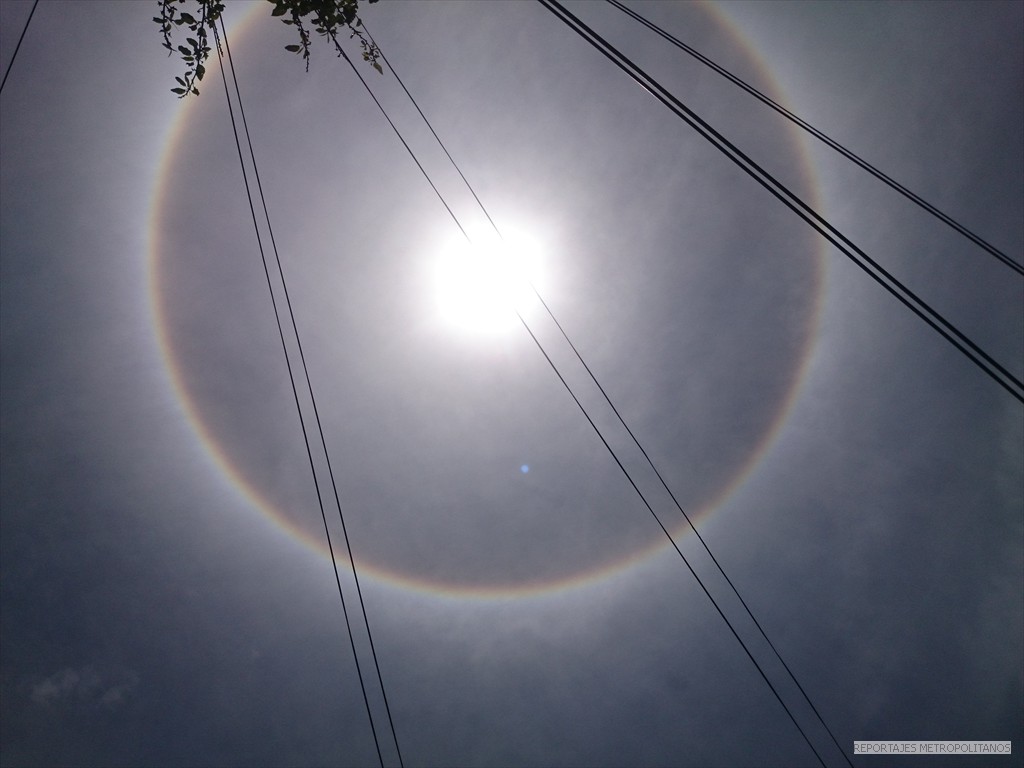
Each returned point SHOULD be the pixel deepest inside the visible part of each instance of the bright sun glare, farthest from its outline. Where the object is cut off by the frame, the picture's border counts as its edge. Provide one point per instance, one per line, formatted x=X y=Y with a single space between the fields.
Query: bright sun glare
x=481 y=285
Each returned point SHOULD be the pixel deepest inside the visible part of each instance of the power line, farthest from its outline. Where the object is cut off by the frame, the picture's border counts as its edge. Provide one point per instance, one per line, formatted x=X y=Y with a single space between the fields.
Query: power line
x=309 y=384
x=821 y=136
x=443 y=148
x=341 y=52
x=18 y=46
x=916 y=305
x=590 y=420
x=615 y=410
x=305 y=436
x=316 y=413
x=675 y=546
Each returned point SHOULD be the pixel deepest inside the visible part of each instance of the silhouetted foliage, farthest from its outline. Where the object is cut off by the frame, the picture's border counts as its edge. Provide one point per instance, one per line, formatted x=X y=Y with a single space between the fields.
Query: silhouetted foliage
x=327 y=18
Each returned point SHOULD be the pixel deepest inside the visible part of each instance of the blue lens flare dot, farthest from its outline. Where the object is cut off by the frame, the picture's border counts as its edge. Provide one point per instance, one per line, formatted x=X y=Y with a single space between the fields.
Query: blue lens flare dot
x=525 y=468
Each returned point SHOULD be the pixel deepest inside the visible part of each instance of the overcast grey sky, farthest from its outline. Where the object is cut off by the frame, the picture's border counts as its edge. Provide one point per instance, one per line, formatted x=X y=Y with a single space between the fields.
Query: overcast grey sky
x=166 y=595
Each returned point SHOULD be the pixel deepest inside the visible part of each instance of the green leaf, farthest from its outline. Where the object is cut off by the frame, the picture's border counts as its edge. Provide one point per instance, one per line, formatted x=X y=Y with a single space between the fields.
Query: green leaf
x=293 y=48
x=200 y=71
x=178 y=91
x=279 y=10
x=192 y=41
x=184 y=51
x=187 y=18
x=377 y=67
x=180 y=81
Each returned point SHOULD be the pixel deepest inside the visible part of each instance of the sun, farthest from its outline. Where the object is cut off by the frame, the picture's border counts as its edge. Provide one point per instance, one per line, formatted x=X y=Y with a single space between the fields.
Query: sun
x=484 y=284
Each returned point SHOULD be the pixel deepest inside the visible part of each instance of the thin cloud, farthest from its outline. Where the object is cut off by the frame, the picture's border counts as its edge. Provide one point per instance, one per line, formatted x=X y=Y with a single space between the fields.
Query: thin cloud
x=105 y=688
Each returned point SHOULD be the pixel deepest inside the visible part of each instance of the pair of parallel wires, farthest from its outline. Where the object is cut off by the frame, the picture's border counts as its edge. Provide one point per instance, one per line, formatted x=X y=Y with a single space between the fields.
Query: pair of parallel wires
x=291 y=376
x=295 y=394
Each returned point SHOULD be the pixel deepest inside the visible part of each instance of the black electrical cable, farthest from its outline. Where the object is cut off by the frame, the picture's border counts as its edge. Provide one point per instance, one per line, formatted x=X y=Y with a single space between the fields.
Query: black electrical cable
x=675 y=546
x=590 y=420
x=948 y=331
x=291 y=377
x=823 y=137
x=323 y=442
x=615 y=410
x=18 y=46
x=443 y=147
x=341 y=52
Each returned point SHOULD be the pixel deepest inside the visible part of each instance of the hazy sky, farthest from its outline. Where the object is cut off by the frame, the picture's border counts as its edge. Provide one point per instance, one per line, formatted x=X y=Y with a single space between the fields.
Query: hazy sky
x=166 y=596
